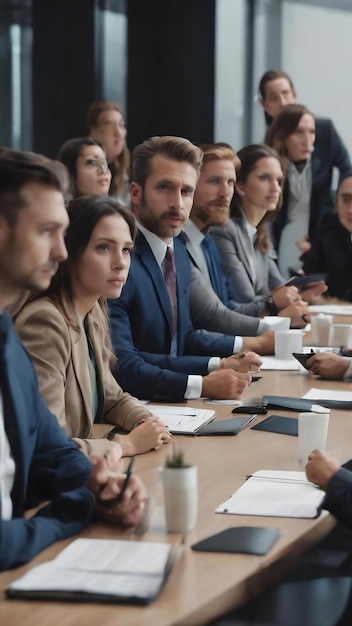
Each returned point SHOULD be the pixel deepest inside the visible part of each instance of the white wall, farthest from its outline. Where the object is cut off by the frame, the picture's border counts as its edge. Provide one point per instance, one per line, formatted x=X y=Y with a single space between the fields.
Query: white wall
x=229 y=72
x=316 y=52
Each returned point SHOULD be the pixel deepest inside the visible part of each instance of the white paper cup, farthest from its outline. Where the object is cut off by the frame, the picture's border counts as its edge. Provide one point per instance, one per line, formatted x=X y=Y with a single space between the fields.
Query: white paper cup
x=312 y=433
x=180 y=498
x=275 y=322
x=286 y=342
x=341 y=336
x=321 y=329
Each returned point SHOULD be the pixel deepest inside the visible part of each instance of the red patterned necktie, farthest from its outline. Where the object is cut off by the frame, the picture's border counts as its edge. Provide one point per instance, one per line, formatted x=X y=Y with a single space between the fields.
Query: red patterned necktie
x=170 y=279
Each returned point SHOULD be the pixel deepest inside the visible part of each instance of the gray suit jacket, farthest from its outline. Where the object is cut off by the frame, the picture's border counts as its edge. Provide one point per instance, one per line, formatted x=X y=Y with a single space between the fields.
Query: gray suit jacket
x=208 y=312
x=235 y=246
x=206 y=309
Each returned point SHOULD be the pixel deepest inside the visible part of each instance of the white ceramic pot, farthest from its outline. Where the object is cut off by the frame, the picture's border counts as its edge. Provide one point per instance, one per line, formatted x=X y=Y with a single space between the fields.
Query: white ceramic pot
x=180 y=498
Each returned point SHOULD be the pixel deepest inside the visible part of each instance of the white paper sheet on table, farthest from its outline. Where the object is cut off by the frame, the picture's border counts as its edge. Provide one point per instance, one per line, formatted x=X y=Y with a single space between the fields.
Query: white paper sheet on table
x=272 y=363
x=331 y=309
x=328 y=394
x=275 y=494
x=182 y=420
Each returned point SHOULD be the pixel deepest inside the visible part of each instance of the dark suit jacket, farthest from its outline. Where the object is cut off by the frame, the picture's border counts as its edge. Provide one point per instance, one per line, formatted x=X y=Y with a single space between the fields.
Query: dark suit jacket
x=332 y=254
x=48 y=465
x=338 y=499
x=141 y=323
x=329 y=152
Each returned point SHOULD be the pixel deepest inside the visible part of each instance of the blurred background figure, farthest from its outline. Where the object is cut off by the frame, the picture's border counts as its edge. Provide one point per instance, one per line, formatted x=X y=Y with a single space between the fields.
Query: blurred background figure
x=87 y=166
x=332 y=252
x=307 y=188
x=106 y=124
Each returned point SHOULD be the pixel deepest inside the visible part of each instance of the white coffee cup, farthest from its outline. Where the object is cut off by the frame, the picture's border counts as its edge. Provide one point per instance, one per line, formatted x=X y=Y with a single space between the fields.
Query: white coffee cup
x=180 y=498
x=321 y=329
x=275 y=322
x=286 y=342
x=341 y=336
x=312 y=433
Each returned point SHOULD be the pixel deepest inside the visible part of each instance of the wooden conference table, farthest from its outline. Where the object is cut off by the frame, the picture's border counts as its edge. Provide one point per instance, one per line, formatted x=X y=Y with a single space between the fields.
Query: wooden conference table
x=204 y=585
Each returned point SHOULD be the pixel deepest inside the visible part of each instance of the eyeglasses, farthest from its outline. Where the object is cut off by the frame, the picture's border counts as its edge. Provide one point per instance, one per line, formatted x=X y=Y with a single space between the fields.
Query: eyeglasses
x=97 y=163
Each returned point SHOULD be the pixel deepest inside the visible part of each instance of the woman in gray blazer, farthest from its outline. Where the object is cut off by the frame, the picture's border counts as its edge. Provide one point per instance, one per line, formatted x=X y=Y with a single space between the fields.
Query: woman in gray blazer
x=244 y=243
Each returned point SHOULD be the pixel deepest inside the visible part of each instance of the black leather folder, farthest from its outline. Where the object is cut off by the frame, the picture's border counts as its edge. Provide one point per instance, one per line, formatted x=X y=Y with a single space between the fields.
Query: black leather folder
x=240 y=540
x=231 y=426
x=278 y=424
x=301 y=404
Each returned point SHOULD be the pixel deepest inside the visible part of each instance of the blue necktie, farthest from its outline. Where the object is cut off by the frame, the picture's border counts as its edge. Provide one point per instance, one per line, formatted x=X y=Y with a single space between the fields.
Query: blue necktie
x=170 y=280
x=211 y=256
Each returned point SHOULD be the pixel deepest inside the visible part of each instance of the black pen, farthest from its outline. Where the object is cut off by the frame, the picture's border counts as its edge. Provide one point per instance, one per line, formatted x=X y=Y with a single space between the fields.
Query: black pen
x=118 y=498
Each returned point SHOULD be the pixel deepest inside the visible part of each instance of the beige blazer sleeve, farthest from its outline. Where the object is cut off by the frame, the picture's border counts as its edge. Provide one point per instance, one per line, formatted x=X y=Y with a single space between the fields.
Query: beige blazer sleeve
x=59 y=355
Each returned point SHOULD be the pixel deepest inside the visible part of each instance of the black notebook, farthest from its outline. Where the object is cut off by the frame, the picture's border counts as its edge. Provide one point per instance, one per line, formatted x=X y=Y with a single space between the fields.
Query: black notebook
x=302 y=404
x=231 y=426
x=240 y=540
x=279 y=424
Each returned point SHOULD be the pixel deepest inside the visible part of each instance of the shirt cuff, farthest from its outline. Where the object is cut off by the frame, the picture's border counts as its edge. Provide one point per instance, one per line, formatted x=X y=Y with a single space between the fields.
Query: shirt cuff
x=238 y=343
x=214 y=364
x=194 y=387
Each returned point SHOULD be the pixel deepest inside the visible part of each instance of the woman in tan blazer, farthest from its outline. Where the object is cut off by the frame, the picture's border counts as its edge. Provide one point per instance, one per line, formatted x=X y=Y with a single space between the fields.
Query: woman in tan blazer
x=65 y=330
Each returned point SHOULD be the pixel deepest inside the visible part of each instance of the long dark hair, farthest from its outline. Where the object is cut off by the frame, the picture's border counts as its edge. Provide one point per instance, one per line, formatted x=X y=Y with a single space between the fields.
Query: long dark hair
x=69 y=154
x=284 y=125
x=249 y=156
x=84 y=213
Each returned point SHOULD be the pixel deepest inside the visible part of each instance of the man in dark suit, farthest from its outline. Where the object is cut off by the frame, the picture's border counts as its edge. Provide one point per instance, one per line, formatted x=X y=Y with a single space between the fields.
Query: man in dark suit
x=160 y=355
x=37 y=461
x=276 y=90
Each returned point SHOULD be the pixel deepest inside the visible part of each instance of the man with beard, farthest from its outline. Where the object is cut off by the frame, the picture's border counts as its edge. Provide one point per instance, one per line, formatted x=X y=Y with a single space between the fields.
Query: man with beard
x=160 y=355
x=37 y=461
x=211 y=207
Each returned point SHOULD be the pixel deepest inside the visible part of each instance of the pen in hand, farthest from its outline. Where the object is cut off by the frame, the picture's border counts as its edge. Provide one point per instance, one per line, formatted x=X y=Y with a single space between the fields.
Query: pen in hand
x=118 y=498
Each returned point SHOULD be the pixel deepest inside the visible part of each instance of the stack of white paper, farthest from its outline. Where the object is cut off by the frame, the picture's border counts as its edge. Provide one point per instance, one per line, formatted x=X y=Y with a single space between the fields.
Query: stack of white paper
x=182 y=420
x=275 y=494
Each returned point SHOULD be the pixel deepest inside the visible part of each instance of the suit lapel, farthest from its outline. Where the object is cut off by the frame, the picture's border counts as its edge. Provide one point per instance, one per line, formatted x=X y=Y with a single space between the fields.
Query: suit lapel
x=147 y=257
x=80 y=368
x=243 y=245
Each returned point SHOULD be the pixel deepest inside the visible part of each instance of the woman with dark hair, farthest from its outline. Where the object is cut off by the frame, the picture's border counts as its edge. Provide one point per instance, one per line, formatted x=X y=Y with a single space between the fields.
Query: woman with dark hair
x=244 y=242
x=106 y=124
x=65 y=330
x=306 y=193
x=87 y=166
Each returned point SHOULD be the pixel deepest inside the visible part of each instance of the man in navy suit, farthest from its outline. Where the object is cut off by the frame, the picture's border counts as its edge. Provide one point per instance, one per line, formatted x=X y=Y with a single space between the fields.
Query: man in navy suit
x=160 y=355
x=37 y=461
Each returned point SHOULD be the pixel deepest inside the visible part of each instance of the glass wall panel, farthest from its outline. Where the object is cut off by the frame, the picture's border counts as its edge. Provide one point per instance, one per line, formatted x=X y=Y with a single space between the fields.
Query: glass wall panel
x=15 y=74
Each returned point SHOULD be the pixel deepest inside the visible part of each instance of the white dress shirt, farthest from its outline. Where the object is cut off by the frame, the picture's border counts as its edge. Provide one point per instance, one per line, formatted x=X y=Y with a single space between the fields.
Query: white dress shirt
x=7 y=469
x=158 y=248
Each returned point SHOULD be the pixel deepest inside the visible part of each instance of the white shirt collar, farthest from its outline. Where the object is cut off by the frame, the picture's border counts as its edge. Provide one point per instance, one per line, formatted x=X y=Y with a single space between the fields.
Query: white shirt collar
x=158 y=247
x=193 y=233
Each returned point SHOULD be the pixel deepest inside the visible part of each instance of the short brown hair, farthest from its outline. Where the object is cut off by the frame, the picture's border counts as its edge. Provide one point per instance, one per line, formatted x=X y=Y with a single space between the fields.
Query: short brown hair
x=219 y=152
x=284 y=125
x=17 y=169
x=268 y=77
x=176 y=148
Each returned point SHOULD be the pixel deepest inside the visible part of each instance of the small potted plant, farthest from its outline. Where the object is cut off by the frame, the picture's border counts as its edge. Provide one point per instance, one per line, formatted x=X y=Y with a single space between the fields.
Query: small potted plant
x=180 y=492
